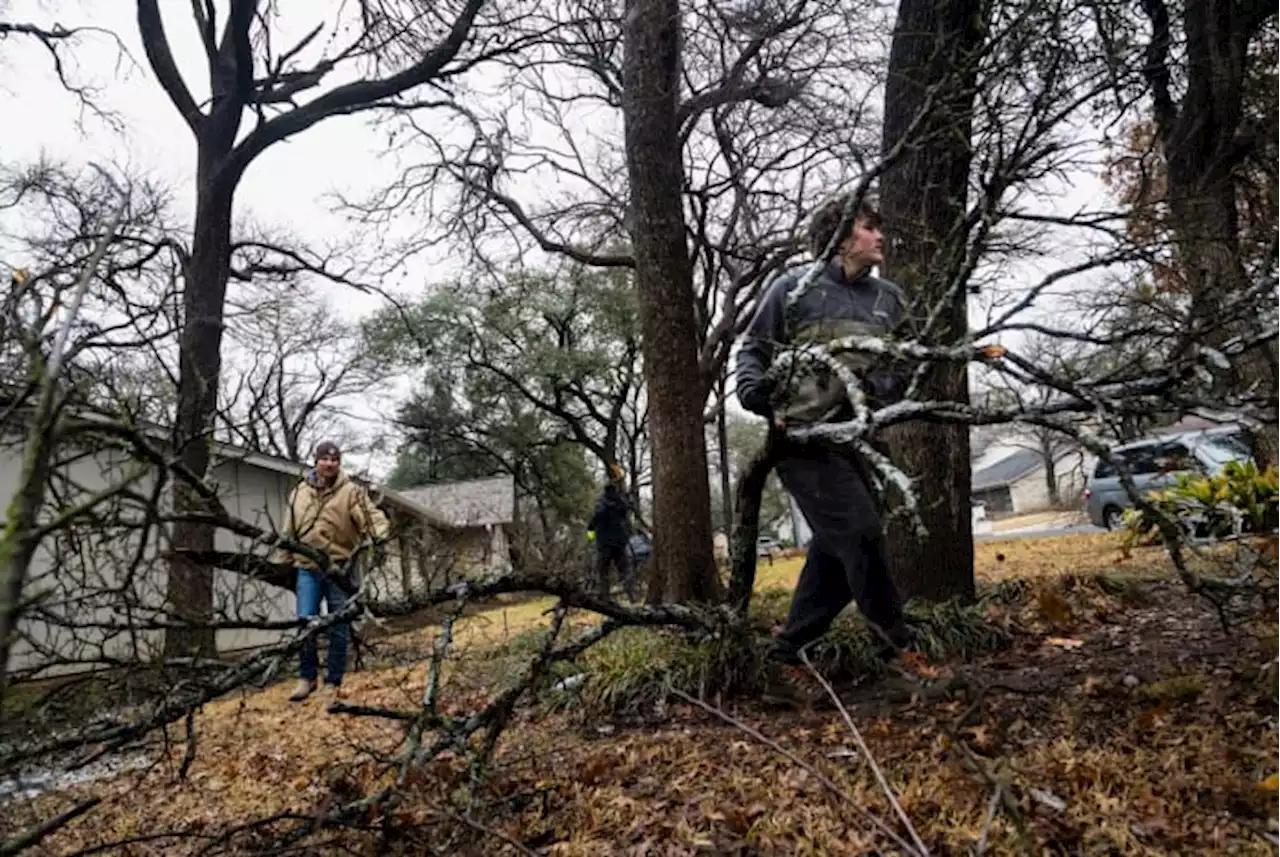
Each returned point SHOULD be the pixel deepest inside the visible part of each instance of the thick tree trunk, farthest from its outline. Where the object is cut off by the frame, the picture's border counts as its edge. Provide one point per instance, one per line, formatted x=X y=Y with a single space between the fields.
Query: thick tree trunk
x=922 y=199
x=1205 y=142
x=190 y=586
x=684 y=567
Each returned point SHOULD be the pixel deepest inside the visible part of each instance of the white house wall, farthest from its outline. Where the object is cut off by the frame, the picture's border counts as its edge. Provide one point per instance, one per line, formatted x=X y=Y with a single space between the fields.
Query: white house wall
x=102 y=578
x=259 y=497
x=1031 y=492
x=99 y=582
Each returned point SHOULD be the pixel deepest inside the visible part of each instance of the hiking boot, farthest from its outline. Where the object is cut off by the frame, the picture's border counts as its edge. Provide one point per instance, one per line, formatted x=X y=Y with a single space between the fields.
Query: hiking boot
x=791 y=687
x=302 y=690
x=901 y=637
x=784 y=654
x=332 y=694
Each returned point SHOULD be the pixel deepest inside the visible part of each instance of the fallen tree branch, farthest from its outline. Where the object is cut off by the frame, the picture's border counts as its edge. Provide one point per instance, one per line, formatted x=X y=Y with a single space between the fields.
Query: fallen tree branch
x=822 y=778
x=866 y=752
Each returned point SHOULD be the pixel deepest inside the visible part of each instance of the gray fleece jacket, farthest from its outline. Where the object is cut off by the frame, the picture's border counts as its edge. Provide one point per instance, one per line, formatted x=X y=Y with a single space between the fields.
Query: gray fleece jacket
x=833 y=307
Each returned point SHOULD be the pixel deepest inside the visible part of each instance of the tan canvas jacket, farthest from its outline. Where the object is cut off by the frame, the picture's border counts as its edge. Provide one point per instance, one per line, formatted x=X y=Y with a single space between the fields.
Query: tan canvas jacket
x=334 y=520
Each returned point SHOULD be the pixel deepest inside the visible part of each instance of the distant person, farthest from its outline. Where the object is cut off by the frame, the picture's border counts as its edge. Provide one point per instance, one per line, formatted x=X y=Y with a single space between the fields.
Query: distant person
x=846 y=559
x=332 y=513
x=611 y=532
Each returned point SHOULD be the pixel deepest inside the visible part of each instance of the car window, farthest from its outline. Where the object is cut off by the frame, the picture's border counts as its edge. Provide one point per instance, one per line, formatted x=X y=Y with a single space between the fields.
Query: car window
x=1141 y=460
x=1171 y=458
x=1237 y=444
x=1104 y=469
x=1137 y=459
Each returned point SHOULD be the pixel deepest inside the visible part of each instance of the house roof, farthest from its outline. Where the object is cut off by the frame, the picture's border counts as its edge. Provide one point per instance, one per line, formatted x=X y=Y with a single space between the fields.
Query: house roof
x=230 y=452
x=1007 y=470
x=474 y=503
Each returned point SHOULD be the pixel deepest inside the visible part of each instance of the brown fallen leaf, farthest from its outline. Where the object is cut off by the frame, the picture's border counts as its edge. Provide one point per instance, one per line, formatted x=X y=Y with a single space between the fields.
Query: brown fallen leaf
x=1054 y=607
x=1064 y=642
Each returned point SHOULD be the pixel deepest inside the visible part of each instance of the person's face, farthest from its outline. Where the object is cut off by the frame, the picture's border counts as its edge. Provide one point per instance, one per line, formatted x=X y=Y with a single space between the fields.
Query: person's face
x=327 y=467
x=864 y=248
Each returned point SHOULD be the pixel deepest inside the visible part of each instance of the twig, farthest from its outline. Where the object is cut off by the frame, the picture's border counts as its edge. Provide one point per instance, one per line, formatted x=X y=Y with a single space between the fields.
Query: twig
x=866 y=752
x=190 y=755
x=826 y=781
x=31 y=837
x=489 y=831
x=981 y=847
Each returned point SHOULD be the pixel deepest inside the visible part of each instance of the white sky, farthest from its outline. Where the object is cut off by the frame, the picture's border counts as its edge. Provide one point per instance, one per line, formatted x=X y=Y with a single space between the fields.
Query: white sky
x=286 y=187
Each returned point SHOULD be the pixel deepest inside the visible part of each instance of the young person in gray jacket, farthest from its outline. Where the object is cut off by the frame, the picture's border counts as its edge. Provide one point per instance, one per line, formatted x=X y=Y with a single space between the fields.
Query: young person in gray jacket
x=846 y=559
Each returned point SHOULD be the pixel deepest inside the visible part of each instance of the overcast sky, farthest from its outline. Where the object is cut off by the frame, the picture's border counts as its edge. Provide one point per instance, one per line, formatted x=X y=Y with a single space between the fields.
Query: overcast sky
x=286 y=187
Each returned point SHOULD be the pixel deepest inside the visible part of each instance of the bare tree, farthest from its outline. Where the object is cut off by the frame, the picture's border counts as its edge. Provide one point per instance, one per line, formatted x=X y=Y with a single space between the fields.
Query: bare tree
x=394 y=50
x=923 y=198
x=770 y=116
x=1208 y=73
x=293 y=366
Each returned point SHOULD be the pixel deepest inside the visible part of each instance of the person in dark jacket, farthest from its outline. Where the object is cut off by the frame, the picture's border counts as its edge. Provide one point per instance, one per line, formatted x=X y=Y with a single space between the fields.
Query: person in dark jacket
x=846 y=559
x=611 y=532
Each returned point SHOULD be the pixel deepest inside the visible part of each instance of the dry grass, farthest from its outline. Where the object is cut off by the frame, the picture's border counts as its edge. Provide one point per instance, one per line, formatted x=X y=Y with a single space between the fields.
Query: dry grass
x=1174 y=761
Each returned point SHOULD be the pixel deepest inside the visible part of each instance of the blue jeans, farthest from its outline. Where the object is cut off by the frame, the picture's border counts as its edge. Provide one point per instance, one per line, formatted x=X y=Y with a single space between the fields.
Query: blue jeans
x=314 y=586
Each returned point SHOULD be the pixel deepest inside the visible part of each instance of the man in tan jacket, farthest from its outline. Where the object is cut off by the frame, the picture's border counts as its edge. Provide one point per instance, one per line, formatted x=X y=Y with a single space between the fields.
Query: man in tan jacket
x=332 y=513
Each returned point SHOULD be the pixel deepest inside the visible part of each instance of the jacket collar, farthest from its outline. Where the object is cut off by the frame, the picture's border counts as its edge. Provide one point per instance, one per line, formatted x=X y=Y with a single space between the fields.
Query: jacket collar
x=835 y=273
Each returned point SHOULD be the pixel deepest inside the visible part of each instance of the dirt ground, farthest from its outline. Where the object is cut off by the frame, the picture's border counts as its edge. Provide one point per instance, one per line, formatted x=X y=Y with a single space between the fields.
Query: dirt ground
x=1122 y=720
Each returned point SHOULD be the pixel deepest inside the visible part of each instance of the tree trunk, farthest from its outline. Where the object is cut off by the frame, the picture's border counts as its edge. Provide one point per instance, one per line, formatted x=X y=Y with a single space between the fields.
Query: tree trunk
x=922 y=198
x=1050 y=472
x=722 y=448
x=684 y=567
x=190 y=586
x=1205 y=141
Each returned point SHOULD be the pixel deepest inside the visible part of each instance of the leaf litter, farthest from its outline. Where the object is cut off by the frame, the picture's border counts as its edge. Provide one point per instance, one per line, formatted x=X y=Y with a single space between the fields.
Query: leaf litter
x=1113 y=725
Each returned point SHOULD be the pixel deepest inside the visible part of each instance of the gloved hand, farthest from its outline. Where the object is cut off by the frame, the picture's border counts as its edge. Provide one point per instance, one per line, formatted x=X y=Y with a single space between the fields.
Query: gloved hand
x=591 y=535
x=759 y=399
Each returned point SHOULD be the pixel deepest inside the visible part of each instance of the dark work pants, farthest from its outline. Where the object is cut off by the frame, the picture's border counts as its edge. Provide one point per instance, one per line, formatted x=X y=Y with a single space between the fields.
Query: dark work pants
x=619 y=557
x=846 y=560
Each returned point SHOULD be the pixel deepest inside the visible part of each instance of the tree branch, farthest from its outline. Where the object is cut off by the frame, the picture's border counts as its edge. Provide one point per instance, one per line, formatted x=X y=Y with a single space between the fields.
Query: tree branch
x=1156 y=67
x=546 y=242
x=356 y=96
x=156 y=44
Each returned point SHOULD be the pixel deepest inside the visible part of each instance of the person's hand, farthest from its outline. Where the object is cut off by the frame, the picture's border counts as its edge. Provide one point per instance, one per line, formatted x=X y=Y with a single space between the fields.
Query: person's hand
x=759 y=399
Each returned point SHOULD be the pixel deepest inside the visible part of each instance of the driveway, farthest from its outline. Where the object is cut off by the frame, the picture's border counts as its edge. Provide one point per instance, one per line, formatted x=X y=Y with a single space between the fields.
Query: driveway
x=1039 y=533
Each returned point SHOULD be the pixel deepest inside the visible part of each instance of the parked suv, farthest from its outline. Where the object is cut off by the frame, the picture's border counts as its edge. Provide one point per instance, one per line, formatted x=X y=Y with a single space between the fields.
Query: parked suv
x=1155 y=464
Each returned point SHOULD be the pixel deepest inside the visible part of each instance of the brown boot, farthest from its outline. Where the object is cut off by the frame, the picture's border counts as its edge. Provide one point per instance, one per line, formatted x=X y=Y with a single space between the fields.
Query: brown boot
x=302 y=690
x=332 y=694
x=792 y=687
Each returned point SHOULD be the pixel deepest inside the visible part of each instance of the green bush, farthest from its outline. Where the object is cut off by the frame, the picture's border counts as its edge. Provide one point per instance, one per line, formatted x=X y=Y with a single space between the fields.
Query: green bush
x=1211 y=505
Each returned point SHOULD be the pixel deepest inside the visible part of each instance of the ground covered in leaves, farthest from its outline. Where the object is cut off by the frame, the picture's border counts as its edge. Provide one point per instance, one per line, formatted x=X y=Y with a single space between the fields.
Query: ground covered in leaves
x=1116 y=718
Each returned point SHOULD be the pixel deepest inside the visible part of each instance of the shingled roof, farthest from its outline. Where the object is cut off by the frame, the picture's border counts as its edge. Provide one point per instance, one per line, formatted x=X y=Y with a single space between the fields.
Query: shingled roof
x=1007 y=470
x=474 y=503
